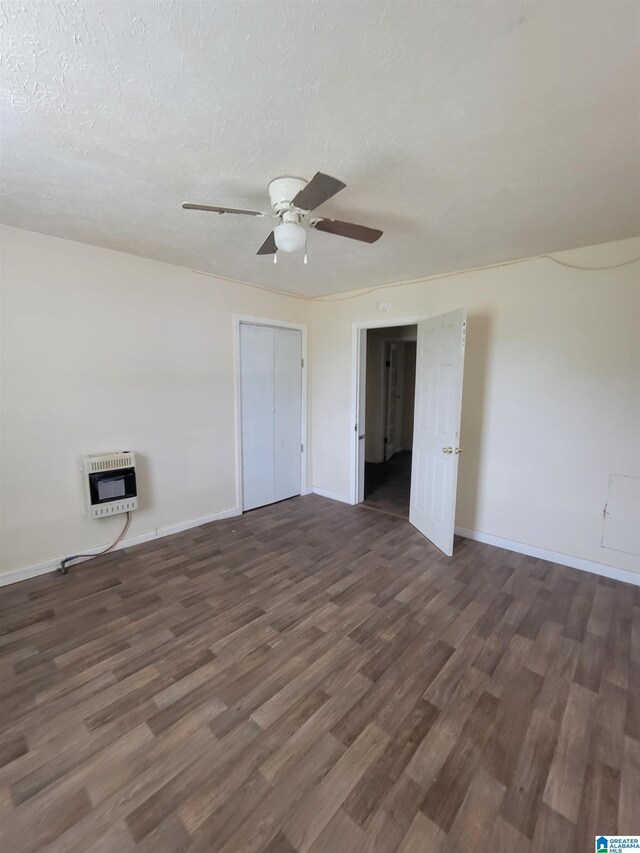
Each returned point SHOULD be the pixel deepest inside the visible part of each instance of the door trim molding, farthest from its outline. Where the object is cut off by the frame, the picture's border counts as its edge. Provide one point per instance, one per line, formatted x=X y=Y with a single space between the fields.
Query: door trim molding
x=356 y=330
x=247 y=319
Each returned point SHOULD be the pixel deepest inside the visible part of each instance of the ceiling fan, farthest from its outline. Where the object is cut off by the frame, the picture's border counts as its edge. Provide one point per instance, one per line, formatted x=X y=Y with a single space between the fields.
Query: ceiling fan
x=292 y=199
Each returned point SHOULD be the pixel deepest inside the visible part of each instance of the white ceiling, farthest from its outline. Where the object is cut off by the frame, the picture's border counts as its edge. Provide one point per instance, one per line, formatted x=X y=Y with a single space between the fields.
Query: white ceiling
x=470 y=132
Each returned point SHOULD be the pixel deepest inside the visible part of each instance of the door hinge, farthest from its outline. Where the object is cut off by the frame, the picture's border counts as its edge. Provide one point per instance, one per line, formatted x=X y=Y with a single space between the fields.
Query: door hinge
x=388 y=364
x=302 y=362
x=386 y=441
x=302 y=448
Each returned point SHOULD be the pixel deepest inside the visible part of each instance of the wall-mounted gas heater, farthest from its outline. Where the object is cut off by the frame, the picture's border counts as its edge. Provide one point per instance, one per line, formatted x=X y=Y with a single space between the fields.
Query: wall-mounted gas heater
x=110 y=483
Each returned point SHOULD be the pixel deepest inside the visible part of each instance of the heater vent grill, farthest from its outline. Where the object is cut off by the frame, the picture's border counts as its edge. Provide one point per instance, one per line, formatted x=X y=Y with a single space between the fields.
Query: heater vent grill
x=114 y=508
x=109 y=462
x=110 y=483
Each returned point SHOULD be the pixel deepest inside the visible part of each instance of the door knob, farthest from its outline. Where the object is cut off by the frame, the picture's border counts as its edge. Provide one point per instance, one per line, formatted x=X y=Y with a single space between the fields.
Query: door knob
x=447 y=449
x=458 y=450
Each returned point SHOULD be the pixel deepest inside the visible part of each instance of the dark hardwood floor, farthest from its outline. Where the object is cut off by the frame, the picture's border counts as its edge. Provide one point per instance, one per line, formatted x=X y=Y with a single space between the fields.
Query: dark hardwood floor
x=387 y=485
x=317 y=677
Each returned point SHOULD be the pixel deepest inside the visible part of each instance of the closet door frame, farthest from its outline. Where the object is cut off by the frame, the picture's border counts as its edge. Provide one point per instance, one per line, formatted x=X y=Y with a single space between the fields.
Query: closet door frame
x=238 y=320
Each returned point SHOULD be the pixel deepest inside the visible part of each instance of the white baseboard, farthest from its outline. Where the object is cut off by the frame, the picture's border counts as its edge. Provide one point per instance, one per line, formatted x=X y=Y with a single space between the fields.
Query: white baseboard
x=333 y=496
x=27 y=572
x=196 y=522
x=307 y=491
x=15 y=575
x=602 y=569
x=552 y=556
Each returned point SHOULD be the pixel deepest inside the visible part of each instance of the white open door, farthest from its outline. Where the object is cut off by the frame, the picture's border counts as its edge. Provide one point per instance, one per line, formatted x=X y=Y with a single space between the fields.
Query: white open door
x=436 y=434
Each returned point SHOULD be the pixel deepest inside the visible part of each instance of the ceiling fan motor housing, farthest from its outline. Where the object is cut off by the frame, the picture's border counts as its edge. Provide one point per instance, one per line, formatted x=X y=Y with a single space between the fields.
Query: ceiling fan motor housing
x=283 y=190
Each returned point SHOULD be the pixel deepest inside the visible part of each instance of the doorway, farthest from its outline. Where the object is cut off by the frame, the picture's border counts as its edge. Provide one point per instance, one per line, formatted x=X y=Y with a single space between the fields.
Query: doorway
x=390 y=392
x=435 y=448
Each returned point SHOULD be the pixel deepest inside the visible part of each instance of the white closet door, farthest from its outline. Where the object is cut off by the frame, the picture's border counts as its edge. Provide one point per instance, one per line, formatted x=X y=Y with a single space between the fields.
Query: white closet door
x=256 y=371
x=361 y=412
x=287 y=363
x=271 y=412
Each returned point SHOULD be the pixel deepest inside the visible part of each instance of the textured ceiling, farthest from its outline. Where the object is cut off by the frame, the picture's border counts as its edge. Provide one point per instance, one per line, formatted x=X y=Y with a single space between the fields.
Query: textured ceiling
x=471 y=132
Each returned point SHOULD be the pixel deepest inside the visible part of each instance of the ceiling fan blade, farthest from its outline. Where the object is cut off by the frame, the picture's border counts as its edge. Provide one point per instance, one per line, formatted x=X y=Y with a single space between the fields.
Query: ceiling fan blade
x=214 y=209
x=318 y=190
x=268 y=247
x=347 y=229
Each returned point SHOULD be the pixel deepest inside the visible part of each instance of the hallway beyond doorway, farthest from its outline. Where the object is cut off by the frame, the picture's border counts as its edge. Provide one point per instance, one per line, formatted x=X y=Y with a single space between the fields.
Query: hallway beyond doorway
x=387 y=485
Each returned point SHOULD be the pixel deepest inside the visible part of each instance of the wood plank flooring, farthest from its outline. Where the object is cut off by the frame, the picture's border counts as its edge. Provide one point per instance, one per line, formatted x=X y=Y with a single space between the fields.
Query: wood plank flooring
x=317 y=677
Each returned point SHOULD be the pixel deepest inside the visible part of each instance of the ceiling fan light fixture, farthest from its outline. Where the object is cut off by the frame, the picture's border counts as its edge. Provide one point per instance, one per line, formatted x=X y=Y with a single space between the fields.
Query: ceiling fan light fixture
x=292 y=200
x=290 y=236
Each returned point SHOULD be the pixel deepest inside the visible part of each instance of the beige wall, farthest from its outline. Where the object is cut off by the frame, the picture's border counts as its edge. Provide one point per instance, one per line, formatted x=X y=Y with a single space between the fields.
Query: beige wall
x=551 y=403
x=105 y=351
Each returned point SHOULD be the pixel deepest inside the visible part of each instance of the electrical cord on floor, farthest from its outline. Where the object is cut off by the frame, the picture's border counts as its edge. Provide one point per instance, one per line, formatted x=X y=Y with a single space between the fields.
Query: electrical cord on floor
x=63 y=568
